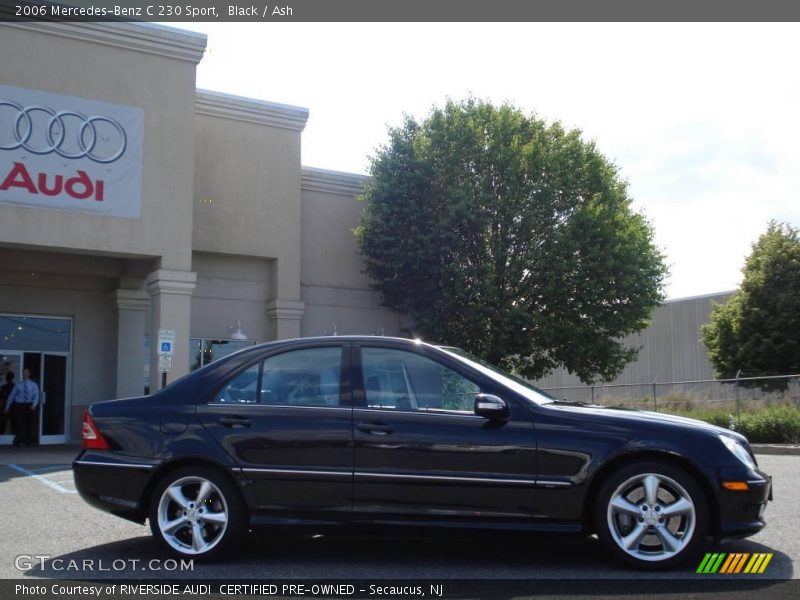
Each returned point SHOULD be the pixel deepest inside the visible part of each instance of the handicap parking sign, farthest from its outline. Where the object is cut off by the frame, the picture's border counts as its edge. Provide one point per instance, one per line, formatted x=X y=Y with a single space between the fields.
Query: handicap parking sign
x=166 y=342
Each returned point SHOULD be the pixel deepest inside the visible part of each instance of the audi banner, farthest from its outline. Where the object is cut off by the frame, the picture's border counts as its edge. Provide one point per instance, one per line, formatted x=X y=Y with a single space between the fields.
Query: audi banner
x=70 y=153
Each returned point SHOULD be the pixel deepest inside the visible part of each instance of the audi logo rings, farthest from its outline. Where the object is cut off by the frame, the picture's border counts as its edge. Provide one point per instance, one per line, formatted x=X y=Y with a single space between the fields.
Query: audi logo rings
x=104 y=146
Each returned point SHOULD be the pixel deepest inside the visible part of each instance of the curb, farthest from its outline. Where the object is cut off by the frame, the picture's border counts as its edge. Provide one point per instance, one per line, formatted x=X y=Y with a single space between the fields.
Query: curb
x=776 y=449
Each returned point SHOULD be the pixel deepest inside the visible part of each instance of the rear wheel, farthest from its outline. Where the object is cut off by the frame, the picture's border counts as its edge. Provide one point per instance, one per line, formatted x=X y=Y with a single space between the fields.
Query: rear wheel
x=653 y=515
x=195 y=512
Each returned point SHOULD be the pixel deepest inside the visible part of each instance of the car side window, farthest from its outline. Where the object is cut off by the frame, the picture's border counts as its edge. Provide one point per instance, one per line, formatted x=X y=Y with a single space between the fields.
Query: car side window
x=400 y=380
x=308 y=377
x=242 y=389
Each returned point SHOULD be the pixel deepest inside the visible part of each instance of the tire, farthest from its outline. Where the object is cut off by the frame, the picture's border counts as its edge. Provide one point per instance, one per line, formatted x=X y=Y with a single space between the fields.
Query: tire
x=652 y=537
x=204 y=530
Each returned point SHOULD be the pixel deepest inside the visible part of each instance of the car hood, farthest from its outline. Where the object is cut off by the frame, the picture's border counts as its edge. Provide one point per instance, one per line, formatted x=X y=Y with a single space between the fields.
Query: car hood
x=634 y=416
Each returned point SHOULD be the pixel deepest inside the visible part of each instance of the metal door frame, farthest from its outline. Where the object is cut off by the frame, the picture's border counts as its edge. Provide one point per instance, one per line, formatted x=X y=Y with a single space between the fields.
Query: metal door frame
x=56 y=439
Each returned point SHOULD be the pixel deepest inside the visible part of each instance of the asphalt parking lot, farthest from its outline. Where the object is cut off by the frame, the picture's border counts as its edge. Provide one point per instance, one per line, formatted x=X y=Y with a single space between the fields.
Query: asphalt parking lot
x=43 y=515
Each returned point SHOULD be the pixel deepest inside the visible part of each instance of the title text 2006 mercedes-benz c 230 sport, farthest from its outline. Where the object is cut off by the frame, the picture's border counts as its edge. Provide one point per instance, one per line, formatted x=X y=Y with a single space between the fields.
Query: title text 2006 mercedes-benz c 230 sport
x=374 y=430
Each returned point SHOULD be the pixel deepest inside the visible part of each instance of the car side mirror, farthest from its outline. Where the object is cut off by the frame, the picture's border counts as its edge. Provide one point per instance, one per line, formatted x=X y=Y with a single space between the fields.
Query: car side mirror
x=491 y=407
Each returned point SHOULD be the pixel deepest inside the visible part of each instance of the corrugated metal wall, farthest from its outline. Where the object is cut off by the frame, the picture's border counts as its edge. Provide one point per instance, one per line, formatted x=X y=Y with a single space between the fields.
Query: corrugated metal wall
x=671 y=349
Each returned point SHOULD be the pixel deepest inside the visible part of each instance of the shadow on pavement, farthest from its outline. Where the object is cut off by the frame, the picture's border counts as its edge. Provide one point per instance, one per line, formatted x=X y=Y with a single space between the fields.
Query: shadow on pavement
x=36 y=459
x=271 y=554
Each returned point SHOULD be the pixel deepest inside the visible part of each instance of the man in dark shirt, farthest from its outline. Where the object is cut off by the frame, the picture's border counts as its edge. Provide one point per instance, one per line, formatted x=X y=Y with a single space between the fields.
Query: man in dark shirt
x=5 y=392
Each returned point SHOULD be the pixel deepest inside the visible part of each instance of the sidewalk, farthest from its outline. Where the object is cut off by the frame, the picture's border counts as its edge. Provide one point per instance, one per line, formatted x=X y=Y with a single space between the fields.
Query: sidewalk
x=39 y=455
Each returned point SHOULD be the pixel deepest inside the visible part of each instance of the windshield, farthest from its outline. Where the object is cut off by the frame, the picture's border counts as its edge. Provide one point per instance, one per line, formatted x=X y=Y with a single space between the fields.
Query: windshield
x=517 y=384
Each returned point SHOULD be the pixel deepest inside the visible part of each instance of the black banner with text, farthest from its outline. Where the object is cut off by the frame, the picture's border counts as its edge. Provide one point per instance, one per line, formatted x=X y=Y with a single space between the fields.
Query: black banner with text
x=400 y=10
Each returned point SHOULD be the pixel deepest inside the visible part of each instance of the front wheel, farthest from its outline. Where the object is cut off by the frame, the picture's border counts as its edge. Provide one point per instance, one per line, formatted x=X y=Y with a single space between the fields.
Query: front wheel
x=653 y=515
x=195 y=512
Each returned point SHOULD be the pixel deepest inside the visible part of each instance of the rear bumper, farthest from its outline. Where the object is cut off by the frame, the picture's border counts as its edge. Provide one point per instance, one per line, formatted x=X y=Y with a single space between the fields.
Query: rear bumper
x=741 y=514
x=113 y=484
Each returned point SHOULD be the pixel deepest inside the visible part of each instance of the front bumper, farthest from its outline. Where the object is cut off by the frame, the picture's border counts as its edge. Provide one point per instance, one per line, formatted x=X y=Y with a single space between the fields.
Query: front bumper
x=741 y=513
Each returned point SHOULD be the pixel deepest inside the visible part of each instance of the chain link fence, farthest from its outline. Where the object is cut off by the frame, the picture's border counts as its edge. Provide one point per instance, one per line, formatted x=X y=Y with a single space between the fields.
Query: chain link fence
x=734 y=395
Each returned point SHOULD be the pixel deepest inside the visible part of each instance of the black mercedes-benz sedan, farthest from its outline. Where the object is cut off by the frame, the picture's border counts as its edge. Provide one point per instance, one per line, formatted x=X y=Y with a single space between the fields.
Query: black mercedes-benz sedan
x=372 y=430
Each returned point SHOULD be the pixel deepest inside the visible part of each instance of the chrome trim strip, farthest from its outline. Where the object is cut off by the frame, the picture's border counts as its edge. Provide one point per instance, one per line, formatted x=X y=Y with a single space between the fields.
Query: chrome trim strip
x=262 y=405
x=449 y=478
x=93 y=463
x=542 y=483
x=556 y=484
x=298 y=472
x=421 y=411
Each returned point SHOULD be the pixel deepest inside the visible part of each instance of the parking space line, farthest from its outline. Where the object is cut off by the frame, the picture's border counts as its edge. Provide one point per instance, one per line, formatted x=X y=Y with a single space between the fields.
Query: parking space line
x=43 y=479
x=51 y=468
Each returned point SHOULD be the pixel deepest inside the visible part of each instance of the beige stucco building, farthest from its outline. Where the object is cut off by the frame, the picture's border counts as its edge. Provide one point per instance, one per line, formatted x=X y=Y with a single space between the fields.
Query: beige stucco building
x=132 y=203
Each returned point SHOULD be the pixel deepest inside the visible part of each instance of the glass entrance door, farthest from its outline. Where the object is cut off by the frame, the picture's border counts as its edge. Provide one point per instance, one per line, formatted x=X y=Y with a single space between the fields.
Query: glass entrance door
x=50 y=372
x=42 y=345
x=53 y=386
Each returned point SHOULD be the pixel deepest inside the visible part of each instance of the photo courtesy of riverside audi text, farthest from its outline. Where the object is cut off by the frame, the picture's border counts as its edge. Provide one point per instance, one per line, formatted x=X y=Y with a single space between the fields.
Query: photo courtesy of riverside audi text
x=383 y=300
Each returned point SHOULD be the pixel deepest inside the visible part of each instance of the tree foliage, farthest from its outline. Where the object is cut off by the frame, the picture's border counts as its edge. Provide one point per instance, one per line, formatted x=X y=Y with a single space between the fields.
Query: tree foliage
x=757 y=330
x=510 y=237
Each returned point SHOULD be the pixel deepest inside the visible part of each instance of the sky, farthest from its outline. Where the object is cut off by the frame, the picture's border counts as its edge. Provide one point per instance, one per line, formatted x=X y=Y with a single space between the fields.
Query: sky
x=702 y=120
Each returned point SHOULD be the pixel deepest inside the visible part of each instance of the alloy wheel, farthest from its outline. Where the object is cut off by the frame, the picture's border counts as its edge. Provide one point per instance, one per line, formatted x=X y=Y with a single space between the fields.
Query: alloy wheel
x=192 y=515
x=651 y=517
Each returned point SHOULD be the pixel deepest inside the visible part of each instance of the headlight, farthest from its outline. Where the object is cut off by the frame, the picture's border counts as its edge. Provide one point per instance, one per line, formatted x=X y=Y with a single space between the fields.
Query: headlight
x=738 y=450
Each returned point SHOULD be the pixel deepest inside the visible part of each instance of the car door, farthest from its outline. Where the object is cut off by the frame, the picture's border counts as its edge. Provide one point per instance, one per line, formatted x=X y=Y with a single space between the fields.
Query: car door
x=420 y=450
x=287 y=421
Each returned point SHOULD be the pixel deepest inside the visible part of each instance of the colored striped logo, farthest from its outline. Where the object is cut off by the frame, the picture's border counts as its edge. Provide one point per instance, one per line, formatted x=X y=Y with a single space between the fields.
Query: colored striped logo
x=735 y=562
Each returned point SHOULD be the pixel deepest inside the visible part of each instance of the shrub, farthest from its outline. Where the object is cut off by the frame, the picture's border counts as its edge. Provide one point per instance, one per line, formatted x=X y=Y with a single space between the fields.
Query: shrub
x=775 y=424
x=768 y=425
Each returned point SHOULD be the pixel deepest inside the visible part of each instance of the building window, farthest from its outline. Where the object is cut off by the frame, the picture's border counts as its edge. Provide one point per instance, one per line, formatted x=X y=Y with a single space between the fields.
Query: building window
x=201 y=352
x=204 y=351
x=40 y=334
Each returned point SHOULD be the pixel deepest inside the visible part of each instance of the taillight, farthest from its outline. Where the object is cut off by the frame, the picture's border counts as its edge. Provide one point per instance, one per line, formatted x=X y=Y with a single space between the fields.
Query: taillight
x=91 y=435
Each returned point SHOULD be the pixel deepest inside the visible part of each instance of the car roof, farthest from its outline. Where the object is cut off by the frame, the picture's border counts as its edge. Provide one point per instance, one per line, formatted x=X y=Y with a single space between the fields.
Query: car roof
x=350 y=338
x=332 y=339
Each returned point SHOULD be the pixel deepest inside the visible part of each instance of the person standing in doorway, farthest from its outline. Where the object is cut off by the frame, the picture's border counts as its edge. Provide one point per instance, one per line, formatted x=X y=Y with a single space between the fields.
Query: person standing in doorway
x=25 y=396
x=5 y=392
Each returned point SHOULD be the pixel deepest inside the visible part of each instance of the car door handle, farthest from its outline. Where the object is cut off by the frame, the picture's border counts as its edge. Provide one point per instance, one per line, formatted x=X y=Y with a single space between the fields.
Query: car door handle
x=374 y=428
x=235 y=422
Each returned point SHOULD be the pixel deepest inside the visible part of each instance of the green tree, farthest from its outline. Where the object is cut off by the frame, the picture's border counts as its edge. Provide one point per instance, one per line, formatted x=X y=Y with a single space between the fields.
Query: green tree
x=757 y=330
x=510 y=237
